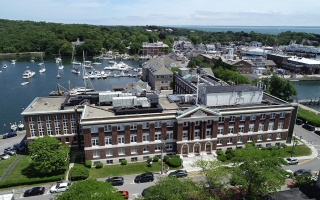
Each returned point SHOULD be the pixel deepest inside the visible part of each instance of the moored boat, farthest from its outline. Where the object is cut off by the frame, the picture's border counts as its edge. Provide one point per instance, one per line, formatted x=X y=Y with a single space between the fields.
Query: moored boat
x=28 y=74
x=24 y=83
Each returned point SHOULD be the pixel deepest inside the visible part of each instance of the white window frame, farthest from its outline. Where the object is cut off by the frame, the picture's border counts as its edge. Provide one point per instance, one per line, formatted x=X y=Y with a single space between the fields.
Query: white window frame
x=229 y=140
x=241 y=128
x=242 y=118
x=282 y=114
x=259 y=138
x=169 y=135
x=250 y=138
x=269 y=136
x=270 y=126
x=57 y=125
x=170 y=123
x=219 y=142
x=232 y=118
x=157 y=136
x=263 y=116
x=169 y=147
x=252 y=117
x=221 y=119
x=145 y=137
x=145 y=125
x=121 y=151
x=261 y=127
x=272 y=115
x=197 y=134
x=95 y=141
x=134 y=150
x=158 y=124
x=157 y=147
x=280 y=125
x=208 y=133
x=197 y=123
x=251 y=128
x=108 y=128
x=133 y=126
x=279 y=136
x=231 y=130
x=49 y=125
x=185 y=124
x=209 y=122
x=121 y=138
x=109 y=152
x=185 y=135
x=146 y=149
x=108 y=140
x=65 y=124
x=120 y=127
x=133 y=138
x=239 y=140
x=96 y=154
x=220 y=130
x=94 y=129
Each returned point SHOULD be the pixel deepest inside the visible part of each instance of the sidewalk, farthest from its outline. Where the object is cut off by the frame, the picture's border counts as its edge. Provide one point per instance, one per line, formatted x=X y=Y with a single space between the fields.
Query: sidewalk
x=313 y=155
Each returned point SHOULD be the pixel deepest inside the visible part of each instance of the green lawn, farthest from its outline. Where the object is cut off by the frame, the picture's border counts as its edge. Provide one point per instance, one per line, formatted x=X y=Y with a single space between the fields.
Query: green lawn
x=4 y=165
x=299 y=150
x=16 y=174
x=130 y=168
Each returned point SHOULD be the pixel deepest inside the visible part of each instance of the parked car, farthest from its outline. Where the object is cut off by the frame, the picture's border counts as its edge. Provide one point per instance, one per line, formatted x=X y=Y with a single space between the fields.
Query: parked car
x=309 y=127
x=34 y=191
x=10 y=151
x=9 y=135
x=5 y=156
x=299 y=121
x=301 y=171
x=117 y=180
x=292 y=161
x=60 y=187
x=124 y=193
x=145 y=177
x=19 y=147
x=144 y=192
x=179 y=173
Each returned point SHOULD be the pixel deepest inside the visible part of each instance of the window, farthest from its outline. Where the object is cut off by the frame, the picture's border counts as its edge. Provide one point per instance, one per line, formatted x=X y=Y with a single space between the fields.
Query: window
x=96 y=154
x=242 y=117
x=108 y=140
x=269 y=137
x=65 y=124
x=109 y=152
x=169 y=135
x=231 y=130
x=209 y=122
x=57 y=124
x=49 y=125
x=261 y=127
x=221 y=119
x=259 y=138
x=279 y=136
x=169 y=146
x=220 y=130
x=133 y=126
x=133 y=138
x=120 y=139
x=197 y=123
x=75 y=139
x=196 y=134
x=157 y=124
x=208 y=133
x=157 y=136
x=169 y=123
x=95 y=141
x=134 y=150
x=241 y=128
x=40 y=126
x=282 y=114
x=272 y=115
x=252 y=117
x=120 y=127
x=145 y=149
x=232 y=118
x=145 y=125
x=157 y=147
x=145 y=137
x=94 y=129
x=185 y=124
x=219 y=142
x=121 y=151
x=251 y=127
x=109 y=162
x=184 y=135
x=107 y=128
x=249 y=138
x=229 y=140
x=280 y=125
x=263 y=116
x=239 y=140
x=270 y=126
x=73 y=124
x=133 y=159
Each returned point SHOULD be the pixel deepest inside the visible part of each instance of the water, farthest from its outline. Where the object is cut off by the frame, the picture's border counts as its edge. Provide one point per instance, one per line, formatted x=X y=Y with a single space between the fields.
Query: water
x=307 y=90
x=258 y=29
x=15 y=98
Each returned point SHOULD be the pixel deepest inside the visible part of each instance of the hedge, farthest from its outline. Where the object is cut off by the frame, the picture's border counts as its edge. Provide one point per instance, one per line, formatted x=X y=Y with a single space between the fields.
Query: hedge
x=165 y=158
x=99 y=165
x=88 y=163
x=228 y=156
x=149 y=159
x=124 y=162
x=79 y=173
x=222 y=158
x=155 y=159
x=174 y=162
x=30 y=181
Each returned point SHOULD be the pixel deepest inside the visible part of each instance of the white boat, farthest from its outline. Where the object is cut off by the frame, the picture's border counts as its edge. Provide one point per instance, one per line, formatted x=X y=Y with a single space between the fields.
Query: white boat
x=40 y=64
x=87 y=64
x=0 y=72
x=111 y=61
x=58 y=59
x=82 y=89
x=98 y=76
x=97 y=63
x=5 y=66
x=14 y=127
x=13 y=62
x=27 y=67
x=60 y=66
x=113 y=67
x=122 y=74
x=21 y=126
x=74 y=62
x=86 y=76
x=75 y=71
x=43 y=68
x=28 y=74
x=106 y=57
x=32 y=61
x=24 y=83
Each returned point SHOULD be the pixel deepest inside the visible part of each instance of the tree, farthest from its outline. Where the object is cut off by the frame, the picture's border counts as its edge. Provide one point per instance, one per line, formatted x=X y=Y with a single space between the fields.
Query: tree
x=174 y=188
x=258 y=172
x=48 y=155
x=90 y=190
x=282 y=89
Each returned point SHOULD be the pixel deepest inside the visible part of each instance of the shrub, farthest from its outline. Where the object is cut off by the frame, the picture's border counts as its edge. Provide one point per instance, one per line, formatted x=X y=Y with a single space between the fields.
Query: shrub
x=177 y=156
x=99 y=165
x=283 y=145
x=222 y=158
x=155 y=159
x=220 y=152
x=31 y=181
x=124 y=162
x=228 y=156
x=88 y=163
x=79 y=173
x=149 y=159
x=174 y=162
x=231 y=152
x=166 y=158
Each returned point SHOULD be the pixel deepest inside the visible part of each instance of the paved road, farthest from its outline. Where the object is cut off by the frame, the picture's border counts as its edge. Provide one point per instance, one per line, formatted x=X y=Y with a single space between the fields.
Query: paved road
x=4 y=143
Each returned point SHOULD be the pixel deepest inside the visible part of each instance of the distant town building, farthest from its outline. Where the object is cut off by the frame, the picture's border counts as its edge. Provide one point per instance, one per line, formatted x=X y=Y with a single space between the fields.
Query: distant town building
x=154 y=49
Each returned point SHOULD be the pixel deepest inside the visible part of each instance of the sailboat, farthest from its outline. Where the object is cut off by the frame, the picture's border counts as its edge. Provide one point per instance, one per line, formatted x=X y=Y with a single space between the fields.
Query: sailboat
x=58 y=60
x=73 y=59
x=58 y=76
x=43 y=68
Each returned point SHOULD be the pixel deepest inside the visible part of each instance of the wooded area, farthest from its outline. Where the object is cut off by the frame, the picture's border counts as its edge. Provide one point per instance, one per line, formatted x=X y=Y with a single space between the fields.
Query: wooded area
x=29 y=36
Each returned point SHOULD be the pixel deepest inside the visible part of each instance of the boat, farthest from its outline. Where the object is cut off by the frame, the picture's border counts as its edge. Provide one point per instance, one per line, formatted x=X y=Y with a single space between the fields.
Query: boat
x=14 y=127
x=27 y=67
x=0 y=72
x=82 y=89
x=75 y=71
x=111 y=61
x=122 y=74
x=59 y=60
x=113 y=67
x=86 y=76
x=13 y=62
x=43 y=68
x=5 y=66
x=95 y=62
x=40 y=64
x=58 y=76
x=28 y=74
x=60 y=66
x=87 y=64
x=74 y=62
x=32 y=61
x=20 y=126
x=24 y=83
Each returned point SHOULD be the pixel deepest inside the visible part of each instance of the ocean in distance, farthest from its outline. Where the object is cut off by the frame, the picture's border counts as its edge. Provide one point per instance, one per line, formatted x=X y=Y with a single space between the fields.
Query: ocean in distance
x=15 y=97
x=259 y=29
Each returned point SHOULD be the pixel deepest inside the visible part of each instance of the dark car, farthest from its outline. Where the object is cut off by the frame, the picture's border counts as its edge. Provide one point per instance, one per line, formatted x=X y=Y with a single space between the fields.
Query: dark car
x=115 y=180
x=309 y=127
x=144 y=192
x=179 y=173
x=9 y=135
x=299 y=121
x=301 y=172
x=145 y=177
x=10 y=151
x=317 y=132
x=19 y=147
x=34 y=191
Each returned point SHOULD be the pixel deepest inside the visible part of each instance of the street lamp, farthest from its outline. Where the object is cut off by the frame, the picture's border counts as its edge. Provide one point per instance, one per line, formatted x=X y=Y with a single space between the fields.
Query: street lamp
x=163 y=143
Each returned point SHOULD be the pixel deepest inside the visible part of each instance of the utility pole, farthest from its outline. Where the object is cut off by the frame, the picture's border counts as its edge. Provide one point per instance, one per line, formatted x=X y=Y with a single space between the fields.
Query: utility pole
x=294 y=140
x=162 y=145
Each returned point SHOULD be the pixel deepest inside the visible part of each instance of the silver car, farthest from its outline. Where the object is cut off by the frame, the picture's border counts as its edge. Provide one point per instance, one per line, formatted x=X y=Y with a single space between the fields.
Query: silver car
x=5 y=156
x=292 y=161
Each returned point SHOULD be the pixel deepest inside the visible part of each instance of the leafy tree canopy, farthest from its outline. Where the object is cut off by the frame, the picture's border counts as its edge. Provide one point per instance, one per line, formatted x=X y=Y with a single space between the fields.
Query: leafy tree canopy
x=229 y=75
x=281 y=88
x=48 y=155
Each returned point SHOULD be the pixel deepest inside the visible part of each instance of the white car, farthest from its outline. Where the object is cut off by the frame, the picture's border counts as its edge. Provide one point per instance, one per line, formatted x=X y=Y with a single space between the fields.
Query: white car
x=292 y=161
x=5 y=156
x=60 y=187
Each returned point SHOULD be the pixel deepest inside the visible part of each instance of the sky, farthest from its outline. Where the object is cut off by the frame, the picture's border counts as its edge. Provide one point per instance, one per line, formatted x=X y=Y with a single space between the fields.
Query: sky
x=166 y=12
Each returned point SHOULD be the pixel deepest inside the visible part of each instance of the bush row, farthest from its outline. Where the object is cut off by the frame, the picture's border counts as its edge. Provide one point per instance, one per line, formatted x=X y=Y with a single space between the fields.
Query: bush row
x=174 y=161
x=79 y=173
x=11 y=183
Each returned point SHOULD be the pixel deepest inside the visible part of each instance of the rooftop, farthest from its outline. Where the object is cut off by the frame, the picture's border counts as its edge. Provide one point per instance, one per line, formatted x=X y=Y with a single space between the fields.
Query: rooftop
x=304 y=60
x=155 y=44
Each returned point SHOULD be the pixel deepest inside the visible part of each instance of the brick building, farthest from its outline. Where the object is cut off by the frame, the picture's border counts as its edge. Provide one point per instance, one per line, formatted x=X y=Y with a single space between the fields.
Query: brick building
x=154 y=49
